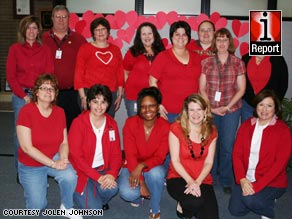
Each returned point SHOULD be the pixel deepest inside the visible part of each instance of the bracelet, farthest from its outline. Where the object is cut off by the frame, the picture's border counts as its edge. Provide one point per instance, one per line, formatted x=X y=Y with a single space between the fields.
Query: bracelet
x=228 y=109
x=82 y=97
x=52 y=164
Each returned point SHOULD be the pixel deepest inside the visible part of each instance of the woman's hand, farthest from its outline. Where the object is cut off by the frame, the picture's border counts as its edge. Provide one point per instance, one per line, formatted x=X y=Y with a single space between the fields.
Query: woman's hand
x=144 y=192
x=83 y=103
x=107 y=181
x=60 y=164
x=27 y=99
x=134 y=178
x=118 y=102
x=246 y=187
x=220 y=111
x=163 y=112
x=193 y=188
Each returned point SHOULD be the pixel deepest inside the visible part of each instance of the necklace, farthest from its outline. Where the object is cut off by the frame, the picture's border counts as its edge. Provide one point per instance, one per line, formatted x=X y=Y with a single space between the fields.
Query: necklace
x=148 y=131
x=190 y=147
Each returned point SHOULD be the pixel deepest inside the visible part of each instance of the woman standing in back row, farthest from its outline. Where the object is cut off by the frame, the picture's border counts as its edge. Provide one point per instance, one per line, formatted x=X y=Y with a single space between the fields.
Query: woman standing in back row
x=137 y=63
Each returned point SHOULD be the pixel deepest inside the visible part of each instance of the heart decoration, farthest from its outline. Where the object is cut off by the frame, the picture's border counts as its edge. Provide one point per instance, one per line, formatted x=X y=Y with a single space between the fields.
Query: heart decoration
x=118 y=42
x=222 y=22
x=126 y=35
x=104 y=57
x=111 y=19
x=172 y=17
x=240 y=28
x=131 y=18
x=193 y=23
x=236 y=42
x=244 y=48
x=202 y=17
x=120 y=18
x=80 y=25
x=161 y=19
x=73 y=20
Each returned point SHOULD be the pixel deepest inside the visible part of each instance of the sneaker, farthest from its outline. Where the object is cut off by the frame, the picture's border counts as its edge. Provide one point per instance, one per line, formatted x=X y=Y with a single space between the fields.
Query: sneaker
x=154 y=216
x=68 y=213
x=264 y=217
x=136 y=205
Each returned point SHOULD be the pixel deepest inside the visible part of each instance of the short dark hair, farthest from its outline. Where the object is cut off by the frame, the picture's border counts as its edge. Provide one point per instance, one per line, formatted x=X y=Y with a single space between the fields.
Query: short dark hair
x=221 y=33
x=180 y=24
x=206 y=21
x=264 y=94
x=99 y=21
x=99 y=89
x=151 y=92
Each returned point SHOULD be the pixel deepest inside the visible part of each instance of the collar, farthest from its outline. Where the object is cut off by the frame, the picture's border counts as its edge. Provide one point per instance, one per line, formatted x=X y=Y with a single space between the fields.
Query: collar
x=272 y=122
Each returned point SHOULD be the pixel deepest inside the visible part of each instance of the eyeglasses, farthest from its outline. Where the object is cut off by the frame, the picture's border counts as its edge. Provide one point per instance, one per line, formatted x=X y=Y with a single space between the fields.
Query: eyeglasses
x=100 y=30
x=190 y=147
x=222 y=40
x=46 y=89
x=206 y=30
x=61 y=17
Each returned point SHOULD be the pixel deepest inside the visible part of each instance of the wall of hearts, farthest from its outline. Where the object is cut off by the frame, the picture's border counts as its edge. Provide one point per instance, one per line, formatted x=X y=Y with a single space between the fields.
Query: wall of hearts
x=124 y=25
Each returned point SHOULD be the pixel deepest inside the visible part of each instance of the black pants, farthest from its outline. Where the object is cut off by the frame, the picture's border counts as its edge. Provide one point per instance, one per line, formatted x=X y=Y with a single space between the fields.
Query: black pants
x=68 y=100
x=204 y=207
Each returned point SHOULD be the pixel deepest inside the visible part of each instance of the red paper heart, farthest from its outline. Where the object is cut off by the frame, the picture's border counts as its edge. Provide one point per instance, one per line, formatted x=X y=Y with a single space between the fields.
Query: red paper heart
x=161 y=19
x=215 y=16
x=193 y=23
x=236 y=42
x=120 y=18
x=240 y=29
x=131 y=18
x=73 y=20
x=117 y=42
x=172 y=17
x=202 y=17
x=88 y=16
x=126 y=35
x=111 y=19
x=79 y=27
x=244 y=48
x=222 y=22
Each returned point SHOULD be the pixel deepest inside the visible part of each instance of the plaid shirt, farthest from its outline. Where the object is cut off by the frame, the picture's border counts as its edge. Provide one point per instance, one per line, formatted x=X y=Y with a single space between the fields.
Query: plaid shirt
x=222 y=78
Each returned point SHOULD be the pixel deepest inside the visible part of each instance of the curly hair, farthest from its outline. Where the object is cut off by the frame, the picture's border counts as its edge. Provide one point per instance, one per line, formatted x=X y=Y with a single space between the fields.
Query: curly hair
x=138 y=47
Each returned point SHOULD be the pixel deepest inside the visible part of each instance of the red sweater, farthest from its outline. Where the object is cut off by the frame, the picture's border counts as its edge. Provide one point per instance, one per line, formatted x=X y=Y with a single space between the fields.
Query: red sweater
x=82 y=143
x=274 y=154
x=99 y=66
x=137 y=149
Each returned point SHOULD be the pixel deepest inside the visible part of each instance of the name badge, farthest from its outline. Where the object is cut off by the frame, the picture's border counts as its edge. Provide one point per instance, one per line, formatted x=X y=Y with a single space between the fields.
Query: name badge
x=58 y=54
x=135 y=107
x=112 y=136
x=217 y=96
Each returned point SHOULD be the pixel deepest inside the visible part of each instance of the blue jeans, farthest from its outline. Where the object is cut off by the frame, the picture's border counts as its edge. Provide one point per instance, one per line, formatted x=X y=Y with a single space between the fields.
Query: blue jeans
x=93 y=196
x=246 y=111
x=261 y=203
x=154 y=180
x=227 y=127
x=171 y=117
x=131 y=106
x=34 y=183
x=17 y=104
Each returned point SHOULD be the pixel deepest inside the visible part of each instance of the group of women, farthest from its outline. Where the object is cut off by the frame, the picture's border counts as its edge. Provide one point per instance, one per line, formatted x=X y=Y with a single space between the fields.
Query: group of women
x=185 y=101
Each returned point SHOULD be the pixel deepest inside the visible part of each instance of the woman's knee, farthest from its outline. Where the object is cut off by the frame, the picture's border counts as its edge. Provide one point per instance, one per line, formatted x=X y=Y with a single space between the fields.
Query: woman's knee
x=157 y=173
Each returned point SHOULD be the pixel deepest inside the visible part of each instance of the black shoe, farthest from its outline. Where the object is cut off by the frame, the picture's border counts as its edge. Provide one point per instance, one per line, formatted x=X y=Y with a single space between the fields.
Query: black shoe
x=227 y=190
x=105 y=207
x=179 y=214
x=17 y=179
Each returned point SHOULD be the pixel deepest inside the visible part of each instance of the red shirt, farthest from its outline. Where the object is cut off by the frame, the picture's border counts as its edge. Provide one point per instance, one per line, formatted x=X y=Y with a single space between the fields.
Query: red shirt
x=25 y=63
x=138 y=77
x=46 y=134
x=259 y=75
x=82 y=144
x=153 y=151
x=274 y=154
x=193 y=167
x=64 y=67
x=194 y=46
x=99 y=66
x=175 y=80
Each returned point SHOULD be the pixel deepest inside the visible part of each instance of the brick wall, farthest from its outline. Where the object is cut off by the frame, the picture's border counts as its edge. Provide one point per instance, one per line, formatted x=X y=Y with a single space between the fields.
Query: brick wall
x=8 y=27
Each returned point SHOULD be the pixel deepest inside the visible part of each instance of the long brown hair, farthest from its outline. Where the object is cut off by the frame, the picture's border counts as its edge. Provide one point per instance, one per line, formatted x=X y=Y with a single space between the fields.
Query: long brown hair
x=23 y=25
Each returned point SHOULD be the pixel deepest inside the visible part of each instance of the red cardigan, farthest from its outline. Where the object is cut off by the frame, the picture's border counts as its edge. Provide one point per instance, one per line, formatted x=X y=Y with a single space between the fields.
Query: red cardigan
x=274 y=154
x=82 y=143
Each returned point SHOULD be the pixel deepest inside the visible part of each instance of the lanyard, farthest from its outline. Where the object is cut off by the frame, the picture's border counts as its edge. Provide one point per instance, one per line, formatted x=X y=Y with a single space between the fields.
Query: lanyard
x=219 y=67
x=62 y=41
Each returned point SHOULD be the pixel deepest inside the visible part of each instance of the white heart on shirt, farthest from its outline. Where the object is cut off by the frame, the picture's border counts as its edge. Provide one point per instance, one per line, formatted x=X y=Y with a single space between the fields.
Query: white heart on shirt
x=104 y=57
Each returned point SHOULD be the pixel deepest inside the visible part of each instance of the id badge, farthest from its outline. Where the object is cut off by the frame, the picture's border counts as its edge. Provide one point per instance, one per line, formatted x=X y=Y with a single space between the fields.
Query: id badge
x=112 y=135
x=58 y=54
x=217 y=96
x=135 y=107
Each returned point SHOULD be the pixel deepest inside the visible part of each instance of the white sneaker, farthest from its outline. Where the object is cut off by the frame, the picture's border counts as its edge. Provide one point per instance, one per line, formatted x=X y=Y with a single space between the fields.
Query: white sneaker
x=264 y=217
x=69 y=214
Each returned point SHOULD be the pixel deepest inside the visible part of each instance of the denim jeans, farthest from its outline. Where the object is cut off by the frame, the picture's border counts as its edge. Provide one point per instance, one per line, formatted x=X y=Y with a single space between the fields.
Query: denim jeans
x=227 y=127
x=93 y=196
x=171 y=117
x=246 y=111
x=131 y=106
x=17 y=104
x=154 y=180
x=34 y=183
x=261 y=203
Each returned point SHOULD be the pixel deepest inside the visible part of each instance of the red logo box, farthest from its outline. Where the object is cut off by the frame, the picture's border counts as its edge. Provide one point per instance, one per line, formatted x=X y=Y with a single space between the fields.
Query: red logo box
x=265 y=33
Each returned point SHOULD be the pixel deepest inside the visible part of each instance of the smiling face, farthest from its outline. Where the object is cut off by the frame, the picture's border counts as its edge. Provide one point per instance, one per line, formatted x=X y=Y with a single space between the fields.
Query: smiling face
x=61 y=20
x=195 y=113
x=222 y=44
x=179 y=38
x=206 y=33
x=265 y=110
x=31 y=33
x=100 y=33
x=149 y=108
x=147 y=36
x=98 y=106
x=46 y=92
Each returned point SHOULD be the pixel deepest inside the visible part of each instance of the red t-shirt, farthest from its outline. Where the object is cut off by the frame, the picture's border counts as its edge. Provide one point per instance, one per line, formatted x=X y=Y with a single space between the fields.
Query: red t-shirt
x=138 y=77
x=99 y=66
x=195 y=46
x=64 y=67
x=175 y=80
x=46 y=133
x=193 y=167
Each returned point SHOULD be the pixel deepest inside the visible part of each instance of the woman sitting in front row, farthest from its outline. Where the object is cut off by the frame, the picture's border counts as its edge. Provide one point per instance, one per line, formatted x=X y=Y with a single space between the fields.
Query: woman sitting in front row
x=261 y=153
x=192 y=142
